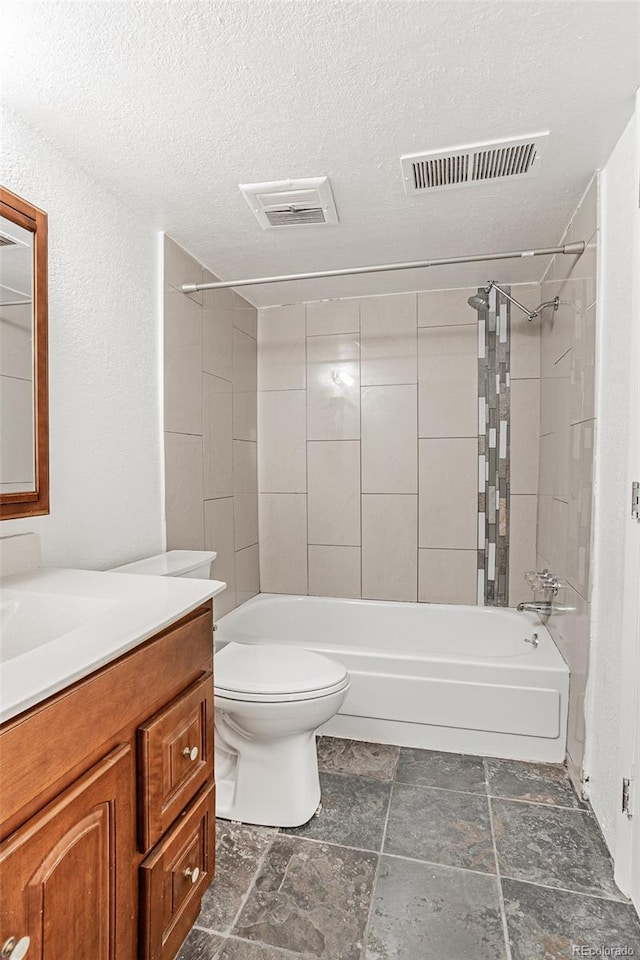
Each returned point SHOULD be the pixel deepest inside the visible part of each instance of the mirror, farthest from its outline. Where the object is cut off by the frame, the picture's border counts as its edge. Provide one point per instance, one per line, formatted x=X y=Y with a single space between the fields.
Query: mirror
x=24 y=429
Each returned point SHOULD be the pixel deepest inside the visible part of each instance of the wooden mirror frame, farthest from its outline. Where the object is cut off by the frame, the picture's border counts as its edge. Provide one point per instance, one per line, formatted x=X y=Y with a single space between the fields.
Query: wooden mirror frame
x=34 y=502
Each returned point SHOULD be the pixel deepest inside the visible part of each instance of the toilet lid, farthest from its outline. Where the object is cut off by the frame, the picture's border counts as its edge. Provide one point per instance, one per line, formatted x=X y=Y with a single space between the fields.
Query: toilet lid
x=274 y=669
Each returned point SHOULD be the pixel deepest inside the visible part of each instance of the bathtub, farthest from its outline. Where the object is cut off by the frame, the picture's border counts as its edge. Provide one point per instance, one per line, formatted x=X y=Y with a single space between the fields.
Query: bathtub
x=435 y=676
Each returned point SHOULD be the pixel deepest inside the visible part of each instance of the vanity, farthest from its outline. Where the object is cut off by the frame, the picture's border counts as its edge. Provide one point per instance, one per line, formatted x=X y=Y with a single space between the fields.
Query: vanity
x=107 y=795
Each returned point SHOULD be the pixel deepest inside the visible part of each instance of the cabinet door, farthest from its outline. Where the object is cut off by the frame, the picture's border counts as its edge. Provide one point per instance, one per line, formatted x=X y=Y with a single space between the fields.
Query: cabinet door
x=67 y=874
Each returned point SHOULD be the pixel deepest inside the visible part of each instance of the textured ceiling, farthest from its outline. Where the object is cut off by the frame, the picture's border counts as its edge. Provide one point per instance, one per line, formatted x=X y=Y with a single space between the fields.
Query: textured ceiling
x=173 y=104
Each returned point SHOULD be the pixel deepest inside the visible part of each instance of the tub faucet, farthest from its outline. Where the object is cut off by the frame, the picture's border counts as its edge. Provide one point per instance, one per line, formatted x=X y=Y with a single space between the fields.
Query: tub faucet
x=541 y=607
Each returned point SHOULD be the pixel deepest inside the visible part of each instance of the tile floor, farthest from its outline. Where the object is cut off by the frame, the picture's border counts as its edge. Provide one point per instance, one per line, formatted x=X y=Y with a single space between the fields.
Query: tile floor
x=419 y=855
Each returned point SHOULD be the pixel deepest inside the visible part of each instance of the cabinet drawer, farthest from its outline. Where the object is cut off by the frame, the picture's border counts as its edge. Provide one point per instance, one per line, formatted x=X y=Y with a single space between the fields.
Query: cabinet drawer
x=174 y=877
x=175 y=752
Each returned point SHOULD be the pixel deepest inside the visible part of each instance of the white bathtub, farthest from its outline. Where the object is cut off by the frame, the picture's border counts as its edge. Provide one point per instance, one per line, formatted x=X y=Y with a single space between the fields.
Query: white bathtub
x=427 y=675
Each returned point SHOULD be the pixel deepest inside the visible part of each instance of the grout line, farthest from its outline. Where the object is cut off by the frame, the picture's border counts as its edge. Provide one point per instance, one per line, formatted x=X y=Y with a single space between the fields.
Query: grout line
x=577 y=893
x=503 y=912
x=374 y=885
x=252 y=882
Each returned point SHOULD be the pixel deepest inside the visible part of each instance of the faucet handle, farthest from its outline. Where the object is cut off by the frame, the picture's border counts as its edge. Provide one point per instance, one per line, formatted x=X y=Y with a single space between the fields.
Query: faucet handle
x=532 y=578
x=549 y=581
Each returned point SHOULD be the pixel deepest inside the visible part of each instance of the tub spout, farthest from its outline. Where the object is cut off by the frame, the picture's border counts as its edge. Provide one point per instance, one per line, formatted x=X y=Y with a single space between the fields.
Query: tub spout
x=541 y=607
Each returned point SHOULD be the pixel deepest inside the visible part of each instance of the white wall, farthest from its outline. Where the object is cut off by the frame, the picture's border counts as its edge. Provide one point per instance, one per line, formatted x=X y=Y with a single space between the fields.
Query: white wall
x=618 y=265
x=104 y=362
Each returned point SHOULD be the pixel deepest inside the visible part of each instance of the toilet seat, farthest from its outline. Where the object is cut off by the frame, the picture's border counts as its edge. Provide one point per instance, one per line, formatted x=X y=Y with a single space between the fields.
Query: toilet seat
x=275 y=673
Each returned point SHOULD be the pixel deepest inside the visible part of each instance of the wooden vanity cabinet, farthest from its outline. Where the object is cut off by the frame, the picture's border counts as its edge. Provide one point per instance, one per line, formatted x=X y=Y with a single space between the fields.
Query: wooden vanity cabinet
x=107 y=805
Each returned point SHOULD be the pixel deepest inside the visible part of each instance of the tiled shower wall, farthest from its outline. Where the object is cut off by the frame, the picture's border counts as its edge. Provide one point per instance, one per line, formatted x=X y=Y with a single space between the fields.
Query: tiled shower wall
x=210 y=425
x=368 y=445
x=567 y=427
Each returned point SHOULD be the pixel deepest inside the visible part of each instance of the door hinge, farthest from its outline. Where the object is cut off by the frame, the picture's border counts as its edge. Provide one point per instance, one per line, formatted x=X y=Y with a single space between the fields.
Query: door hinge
x=635 y=500
x=626 y=797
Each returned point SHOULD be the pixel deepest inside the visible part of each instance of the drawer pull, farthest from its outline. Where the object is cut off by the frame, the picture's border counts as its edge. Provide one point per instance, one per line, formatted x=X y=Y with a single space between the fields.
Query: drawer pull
x=15 y=949
x=190 y=752
x=193 y=873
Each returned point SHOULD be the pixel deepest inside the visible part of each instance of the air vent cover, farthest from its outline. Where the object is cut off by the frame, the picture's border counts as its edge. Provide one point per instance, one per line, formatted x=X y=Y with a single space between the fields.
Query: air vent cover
x=472 y=164
x=291 y=203
x=6 y=241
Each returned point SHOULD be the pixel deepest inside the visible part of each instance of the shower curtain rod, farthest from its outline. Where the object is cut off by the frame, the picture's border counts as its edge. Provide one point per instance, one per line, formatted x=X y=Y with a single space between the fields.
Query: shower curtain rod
x=575 y=249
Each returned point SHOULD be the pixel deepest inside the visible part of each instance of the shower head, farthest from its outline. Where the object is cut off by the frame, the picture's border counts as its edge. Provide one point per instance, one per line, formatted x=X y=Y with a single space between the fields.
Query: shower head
x=479 y=302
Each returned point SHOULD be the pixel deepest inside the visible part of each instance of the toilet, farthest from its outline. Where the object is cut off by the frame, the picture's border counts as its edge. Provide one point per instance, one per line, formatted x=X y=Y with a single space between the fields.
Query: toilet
x=269 y=701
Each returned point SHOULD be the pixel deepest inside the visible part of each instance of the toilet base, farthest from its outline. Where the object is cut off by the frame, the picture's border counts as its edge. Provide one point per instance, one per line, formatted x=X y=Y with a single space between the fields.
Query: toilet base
x=275 y=785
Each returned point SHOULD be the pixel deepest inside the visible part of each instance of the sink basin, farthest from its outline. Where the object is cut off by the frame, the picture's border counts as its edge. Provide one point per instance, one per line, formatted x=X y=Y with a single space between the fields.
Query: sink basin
x=29 y=619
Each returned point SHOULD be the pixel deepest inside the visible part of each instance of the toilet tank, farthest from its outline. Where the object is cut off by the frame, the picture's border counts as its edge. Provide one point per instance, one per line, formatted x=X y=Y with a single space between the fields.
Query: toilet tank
x=195 y=564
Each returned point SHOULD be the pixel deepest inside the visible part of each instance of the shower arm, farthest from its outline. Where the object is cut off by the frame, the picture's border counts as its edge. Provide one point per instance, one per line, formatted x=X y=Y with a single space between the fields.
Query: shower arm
x=531 y=314
x=571 y=249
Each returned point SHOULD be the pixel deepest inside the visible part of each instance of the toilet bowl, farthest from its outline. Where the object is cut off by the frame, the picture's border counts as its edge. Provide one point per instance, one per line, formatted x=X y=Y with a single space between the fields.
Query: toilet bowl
x=269 y=701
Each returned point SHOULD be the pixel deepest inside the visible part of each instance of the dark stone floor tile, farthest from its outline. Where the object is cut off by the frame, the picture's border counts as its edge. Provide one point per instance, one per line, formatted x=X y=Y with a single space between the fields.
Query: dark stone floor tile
x=426 y=912
x=352 y=812
x=200 y=945
x=440 y=826
x=310 y=898
x=251 y=950
x=239 y=849
x=548 y=924
x=357 y=757
x=450 y=771
x=537 y=782
x=553 y=846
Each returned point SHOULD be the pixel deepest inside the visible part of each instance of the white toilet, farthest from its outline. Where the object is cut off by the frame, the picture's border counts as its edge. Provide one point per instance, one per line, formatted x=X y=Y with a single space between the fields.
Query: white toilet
x=269 y=701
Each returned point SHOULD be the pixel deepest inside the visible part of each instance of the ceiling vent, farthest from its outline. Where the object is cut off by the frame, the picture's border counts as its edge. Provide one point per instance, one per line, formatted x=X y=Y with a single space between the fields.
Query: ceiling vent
x=291 y=203
x=7 y=241
x=471 y=164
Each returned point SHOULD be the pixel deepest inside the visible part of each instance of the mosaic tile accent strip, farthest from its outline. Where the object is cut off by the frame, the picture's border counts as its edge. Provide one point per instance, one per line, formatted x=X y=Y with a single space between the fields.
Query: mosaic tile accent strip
x=494 y=402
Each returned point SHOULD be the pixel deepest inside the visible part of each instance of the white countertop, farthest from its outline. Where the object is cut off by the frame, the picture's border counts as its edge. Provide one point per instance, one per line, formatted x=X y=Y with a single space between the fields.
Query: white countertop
x=61 y=625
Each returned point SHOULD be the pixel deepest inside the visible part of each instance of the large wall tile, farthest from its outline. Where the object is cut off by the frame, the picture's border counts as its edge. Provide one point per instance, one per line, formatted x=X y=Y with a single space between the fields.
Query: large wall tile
x=333 y=316
x=247 y=574
x=525 y=335
x=572 y=634
x=281 y=334
x=580 y=506
x=525 y=435
x=245 y=515
x=245 y=316
x=389 y=439
x=245 y=415
x=282 y=449
x=334 y=492
x=583 y=360
x=245 y=494
x=217 y=437
x=448 y=493
x=218 y=522
x=283 y=543
x=183 y=492
x=245 y=470
x=522 y=545
x=334 y=571
x=217 y=337
x=444 y=308
x=388 y=330
x=183 y=363
x=389 y=547
x=447 y=576
x=333 y=391
x=244 y=362
x=448 y=381
x=180 y=267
